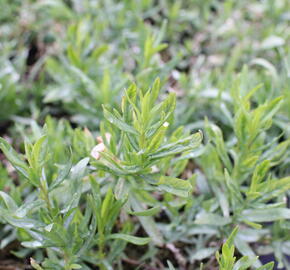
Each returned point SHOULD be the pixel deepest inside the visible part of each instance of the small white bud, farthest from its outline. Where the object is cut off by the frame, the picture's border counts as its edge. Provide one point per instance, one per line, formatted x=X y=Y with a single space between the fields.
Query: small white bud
x=95 y=153
x=166 y=124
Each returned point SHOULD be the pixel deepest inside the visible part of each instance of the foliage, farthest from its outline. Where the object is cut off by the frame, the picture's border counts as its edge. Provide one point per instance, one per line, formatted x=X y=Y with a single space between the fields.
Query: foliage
x=139 y=134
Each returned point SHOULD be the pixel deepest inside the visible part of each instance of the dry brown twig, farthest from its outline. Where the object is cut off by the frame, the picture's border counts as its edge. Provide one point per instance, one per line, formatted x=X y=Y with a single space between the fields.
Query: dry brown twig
x=177 y=254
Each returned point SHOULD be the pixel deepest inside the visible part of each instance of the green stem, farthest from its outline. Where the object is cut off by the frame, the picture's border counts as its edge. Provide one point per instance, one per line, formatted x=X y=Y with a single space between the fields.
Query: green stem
x=101 y=253
x=67 y=261
x=45 y=196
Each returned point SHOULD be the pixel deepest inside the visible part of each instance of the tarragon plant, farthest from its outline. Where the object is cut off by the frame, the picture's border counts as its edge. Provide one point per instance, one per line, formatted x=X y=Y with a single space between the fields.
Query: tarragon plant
x=67 y=214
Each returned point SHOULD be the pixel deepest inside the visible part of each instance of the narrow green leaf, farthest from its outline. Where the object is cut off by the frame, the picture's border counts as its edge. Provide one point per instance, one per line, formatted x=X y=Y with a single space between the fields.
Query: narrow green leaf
x=148 y=212
x=148 y=223
x=175 y=186
x=9 y=202
x=78 y=170
x=266 y=215
x=232 y=236
x=14 y=158
x=76 y=266
x=106 y=205
x=24 y=209
x=35 y=265
x=245 y=249
x=212 y=219
x=244 y=263
x=170 y=265
x=118 y=122
x=203 y=253
x=36 y=152
x=131 y=239
x=268 y=266
x=63 y=174
x=155 y=91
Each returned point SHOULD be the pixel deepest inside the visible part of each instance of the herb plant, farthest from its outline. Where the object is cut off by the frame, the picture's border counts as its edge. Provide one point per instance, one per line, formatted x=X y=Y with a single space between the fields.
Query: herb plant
x=144 y=134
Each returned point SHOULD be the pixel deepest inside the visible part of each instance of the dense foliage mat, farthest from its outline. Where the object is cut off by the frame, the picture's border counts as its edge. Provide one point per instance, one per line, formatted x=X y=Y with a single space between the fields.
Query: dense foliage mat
x=144 y=134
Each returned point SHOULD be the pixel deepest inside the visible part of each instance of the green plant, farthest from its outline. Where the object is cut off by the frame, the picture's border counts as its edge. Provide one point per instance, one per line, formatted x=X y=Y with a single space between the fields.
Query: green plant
x=132 y=171
x=58 y=223
x=239 y=173
x=227 y=261
x=138 y=155
x=84 y=79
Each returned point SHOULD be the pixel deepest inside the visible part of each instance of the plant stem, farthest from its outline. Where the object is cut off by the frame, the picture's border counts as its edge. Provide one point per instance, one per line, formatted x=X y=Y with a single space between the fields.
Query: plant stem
x=101 y=254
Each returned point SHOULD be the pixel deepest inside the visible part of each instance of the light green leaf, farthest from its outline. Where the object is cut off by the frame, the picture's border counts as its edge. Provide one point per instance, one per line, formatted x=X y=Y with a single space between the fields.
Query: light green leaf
x=272 y=42
x=244 y=263
x=118 y=122
x=27 y=207
x=64 y=172
x=35 y=265
x=31 y=244
x=36 y=152
x=24 y=223
x=148 y=223
x=9 y=202
x=266 y=215
x=76 y=266
x=170 y=265
x=246 y=250
x=148 y=212
x=131 y=239
x=175 y=186
x=203 y=253
x=14 y=158
x=78 y=170
x=212 y=219
x=268 y=266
